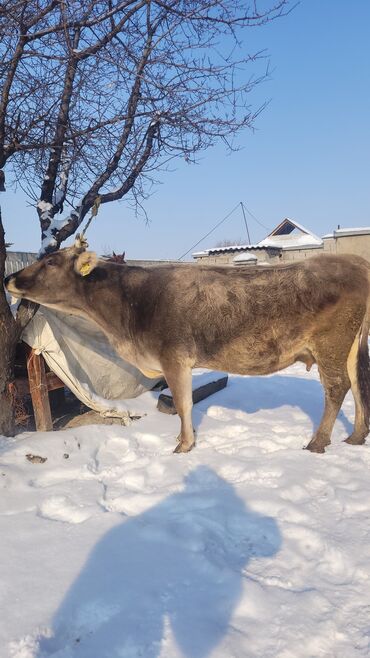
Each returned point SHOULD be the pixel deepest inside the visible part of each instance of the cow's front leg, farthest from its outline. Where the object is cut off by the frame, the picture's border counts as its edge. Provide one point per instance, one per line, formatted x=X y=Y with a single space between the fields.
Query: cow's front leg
x=178 y=377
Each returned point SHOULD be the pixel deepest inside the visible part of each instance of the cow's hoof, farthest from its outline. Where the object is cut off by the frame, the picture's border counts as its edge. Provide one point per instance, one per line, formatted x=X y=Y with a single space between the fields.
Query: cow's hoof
x=315 y=447
x=355 y=441
x=183 y=447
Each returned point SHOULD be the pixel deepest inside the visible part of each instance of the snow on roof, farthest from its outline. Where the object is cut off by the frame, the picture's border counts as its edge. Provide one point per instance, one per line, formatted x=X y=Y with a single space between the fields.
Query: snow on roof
x=341 y=232
x=215 y=250
x=289 y=234
x=200 y=254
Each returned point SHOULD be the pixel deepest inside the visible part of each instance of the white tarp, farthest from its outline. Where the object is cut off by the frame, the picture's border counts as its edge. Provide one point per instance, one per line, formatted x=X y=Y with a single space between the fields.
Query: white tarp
x=81 y=356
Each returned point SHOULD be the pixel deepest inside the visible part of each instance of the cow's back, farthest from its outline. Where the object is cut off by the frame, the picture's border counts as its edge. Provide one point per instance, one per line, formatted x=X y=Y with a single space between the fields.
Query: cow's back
x=255 y=318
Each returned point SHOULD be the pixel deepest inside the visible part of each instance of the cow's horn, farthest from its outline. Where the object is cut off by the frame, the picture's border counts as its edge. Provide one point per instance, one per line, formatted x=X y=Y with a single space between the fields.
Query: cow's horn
x=80 y=243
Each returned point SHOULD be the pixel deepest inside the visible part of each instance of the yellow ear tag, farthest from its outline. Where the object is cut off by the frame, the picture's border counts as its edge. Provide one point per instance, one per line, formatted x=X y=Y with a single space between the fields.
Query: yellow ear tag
x=85 y=269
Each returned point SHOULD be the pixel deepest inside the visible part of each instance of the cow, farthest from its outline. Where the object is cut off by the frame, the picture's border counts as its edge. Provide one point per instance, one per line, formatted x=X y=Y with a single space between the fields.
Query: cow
x=258 y=320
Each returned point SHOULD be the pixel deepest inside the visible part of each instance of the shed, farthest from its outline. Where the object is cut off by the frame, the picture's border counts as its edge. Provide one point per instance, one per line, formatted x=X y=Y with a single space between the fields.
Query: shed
x=17 y=260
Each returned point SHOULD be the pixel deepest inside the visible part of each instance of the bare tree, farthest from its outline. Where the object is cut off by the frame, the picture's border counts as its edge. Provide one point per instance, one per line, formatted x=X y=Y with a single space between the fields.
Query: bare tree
x=97 y=96
x=227 y=242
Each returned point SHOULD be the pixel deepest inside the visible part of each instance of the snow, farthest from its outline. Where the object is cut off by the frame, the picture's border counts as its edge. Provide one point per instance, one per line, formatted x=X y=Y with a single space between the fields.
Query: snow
x=55 y=225
x=244 y=258
x=291 y=241
x=47 y=241
x=44 y=206
x=46 y=210
x=247 y=547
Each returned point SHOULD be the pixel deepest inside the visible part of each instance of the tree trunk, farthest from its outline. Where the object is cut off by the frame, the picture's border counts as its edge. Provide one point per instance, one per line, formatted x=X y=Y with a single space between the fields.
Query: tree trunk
x=8 y=341
x=7 y=392
x=10 y=331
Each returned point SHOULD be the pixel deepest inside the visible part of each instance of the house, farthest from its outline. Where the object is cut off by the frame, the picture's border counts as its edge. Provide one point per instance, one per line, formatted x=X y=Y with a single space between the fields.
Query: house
x=348 y=241
x=287 y=242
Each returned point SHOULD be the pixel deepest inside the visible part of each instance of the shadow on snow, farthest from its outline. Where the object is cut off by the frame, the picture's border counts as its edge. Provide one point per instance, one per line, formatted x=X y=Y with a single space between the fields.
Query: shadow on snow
x=179 y=565
x=252 y=394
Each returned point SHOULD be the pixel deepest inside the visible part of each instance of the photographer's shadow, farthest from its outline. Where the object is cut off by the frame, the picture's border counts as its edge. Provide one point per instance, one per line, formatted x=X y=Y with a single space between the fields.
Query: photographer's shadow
x=180 y=563
x=253 y=394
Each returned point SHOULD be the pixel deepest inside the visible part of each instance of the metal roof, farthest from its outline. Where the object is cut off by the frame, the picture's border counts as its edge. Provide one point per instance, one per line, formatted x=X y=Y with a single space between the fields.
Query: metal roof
x=232 y=249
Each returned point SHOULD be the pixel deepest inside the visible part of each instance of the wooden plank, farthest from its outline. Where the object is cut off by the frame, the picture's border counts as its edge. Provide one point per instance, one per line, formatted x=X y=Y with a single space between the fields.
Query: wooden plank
x=39 y=391
x=37 y=384
x=53 y=381
x=167 y=406
x=23 y=387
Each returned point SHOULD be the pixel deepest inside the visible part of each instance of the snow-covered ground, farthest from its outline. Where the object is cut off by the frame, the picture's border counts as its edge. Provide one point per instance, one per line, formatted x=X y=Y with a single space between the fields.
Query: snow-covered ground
x=247 y=547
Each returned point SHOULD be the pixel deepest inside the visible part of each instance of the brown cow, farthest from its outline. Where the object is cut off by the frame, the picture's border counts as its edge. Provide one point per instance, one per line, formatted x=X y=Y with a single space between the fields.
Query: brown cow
x=254 y=321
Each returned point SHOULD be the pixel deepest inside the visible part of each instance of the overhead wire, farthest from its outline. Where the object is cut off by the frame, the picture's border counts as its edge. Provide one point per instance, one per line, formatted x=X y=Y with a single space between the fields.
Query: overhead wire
x=211 y=231
x=244 y=207
x=254 y=217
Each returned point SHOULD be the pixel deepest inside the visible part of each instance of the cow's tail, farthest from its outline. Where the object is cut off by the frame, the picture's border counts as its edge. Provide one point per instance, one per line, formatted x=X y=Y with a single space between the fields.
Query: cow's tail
x=358 y=366
x=363 y=368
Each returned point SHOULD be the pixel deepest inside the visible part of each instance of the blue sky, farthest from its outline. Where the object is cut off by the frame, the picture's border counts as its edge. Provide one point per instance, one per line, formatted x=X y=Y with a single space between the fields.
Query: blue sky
x=308 y=159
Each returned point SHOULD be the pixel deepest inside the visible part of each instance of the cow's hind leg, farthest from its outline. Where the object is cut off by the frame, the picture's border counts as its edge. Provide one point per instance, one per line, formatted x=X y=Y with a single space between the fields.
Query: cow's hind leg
x=359 y=373
x=178 y=377
x=336 y=384
x=361 y=427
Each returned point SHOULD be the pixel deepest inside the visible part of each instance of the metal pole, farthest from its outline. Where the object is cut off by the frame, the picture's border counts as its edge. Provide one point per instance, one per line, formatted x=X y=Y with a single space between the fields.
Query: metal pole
x=245 y=221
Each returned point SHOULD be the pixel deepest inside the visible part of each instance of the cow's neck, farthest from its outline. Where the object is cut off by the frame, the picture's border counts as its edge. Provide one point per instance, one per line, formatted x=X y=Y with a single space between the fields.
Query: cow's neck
x=109 y=306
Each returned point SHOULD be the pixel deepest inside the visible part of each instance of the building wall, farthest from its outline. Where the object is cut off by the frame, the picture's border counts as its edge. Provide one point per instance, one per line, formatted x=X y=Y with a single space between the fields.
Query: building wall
x=299 y=254
x=155 y=263
x=262 y=255
x=220 y=259
x=349 y=244
x=345 y=244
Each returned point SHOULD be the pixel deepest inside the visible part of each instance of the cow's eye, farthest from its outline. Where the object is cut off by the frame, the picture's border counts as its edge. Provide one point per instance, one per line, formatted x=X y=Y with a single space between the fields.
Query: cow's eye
x=50 y=261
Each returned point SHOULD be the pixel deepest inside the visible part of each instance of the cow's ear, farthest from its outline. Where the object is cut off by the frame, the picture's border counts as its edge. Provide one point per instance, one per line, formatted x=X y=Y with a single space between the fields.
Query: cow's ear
x=85 y=263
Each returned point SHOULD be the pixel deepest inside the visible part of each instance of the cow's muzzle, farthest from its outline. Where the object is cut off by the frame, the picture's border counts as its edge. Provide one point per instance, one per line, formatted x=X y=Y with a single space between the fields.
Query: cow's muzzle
x=10 y=286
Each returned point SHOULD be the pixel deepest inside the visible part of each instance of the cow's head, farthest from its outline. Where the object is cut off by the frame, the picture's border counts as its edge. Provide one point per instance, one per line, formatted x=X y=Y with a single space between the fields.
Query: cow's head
x=55 y=278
